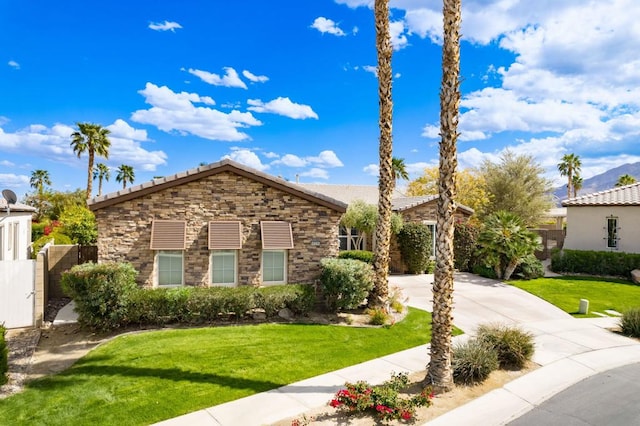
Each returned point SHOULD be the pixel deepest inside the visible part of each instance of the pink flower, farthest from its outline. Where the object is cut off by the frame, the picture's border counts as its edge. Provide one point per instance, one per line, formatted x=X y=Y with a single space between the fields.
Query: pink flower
x=335 y=403
x=405 y=415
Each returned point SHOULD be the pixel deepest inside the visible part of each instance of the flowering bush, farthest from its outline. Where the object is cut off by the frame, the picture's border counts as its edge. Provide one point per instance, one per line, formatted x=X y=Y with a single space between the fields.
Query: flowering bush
x=382 y=401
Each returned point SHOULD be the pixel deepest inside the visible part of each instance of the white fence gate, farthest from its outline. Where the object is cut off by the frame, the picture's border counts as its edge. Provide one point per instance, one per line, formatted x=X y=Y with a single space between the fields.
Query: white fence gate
x=17 y=293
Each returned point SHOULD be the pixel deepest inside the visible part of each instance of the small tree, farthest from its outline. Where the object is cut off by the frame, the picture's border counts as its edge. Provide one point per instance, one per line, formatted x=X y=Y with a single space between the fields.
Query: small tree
x=79 y=224
x=504 y=242
x=416 y=246
x=364 y=217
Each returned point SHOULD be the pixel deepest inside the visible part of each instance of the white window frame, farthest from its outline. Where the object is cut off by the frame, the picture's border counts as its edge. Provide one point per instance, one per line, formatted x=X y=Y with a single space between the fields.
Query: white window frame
x=284 y=261
x=352 y=239
x=235 y=268
x=432 y=224
x=161 y=253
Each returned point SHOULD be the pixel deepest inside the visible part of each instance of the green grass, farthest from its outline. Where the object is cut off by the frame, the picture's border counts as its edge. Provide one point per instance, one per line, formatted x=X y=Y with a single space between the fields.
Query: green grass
x=566 y=292
x=147 y=377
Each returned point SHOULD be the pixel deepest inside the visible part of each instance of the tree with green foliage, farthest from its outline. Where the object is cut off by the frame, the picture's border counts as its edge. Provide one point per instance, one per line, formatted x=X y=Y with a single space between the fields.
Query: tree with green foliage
x=504 y=242
x=40 y=178
x=79 y=223
x=125 y=175
x=364 y=217
x=570 y=167
x=516 y=184
x=92 y=139
x=102 y=173
x=399 y=169
x=626 y=179
x=416 y=246
x=577 y=184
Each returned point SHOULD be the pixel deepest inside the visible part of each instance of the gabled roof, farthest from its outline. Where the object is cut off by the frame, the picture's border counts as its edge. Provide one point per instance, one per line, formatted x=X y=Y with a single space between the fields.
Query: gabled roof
x=628 y=195
x=201 y=172
x=348 y=193
x=17 y=207
x=369 y=194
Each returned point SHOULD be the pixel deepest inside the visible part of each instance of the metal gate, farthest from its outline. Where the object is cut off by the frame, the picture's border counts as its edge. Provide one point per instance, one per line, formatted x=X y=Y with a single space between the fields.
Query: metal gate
x=17 y=293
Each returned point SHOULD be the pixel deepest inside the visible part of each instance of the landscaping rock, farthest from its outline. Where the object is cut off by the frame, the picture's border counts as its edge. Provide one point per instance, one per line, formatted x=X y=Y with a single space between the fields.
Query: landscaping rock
x=285 y=313
x=259 y=315
x=635 y=276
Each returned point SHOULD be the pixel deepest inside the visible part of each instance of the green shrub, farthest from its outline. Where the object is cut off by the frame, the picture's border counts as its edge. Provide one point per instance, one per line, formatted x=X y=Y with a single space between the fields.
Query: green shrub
x=346 y=283
x=377 y=316
x=4 y=356
x=530 y=268
x=363 y=255
x=473 y=361
x=630 y=322
x=465 y=242
x=485 y=271
x=102 y=293
x=599 y=263
x=299 y=299
x=382 y=401
x=416 y=246
x=79 y=223
x=37 y=230
x=514 y=346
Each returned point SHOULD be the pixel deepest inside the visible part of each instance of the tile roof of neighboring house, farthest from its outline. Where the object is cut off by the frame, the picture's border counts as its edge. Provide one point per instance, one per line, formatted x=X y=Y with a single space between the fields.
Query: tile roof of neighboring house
x=628 y=195
x=155 y=185
x=369 y=194
x=17 y=207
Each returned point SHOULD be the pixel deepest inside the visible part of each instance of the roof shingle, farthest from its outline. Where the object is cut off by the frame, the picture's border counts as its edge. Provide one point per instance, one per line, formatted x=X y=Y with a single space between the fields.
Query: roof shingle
x=628 y=195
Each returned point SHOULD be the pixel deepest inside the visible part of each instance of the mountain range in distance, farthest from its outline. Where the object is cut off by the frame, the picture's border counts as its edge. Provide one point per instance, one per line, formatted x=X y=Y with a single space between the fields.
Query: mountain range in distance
x=601 y=182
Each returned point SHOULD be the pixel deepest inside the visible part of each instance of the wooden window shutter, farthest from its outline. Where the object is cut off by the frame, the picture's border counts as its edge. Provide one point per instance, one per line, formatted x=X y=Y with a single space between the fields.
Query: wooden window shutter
x=168 y=235
x=276 y=235
x=225 y=235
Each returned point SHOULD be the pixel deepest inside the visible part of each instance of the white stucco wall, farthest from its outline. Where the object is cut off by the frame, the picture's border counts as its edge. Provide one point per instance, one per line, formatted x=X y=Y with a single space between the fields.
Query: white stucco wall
x=587 y=228
x=23 y=223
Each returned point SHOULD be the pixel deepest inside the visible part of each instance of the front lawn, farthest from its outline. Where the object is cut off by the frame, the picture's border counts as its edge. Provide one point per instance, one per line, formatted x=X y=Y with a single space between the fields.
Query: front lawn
x=566 y=292
x=143 y=378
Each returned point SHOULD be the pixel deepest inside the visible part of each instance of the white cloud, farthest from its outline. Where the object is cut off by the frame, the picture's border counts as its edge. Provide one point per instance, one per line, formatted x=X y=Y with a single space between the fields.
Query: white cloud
x=372 y=170
x=370 y=68
x=6 y=163
x=248 y=158
x=14 y=65
x=398 y=37
x=172 y=111
x=270 y=155
x=326 y=158
x=230 y=79
x=165 y=26
x=418 y=168
x=291 y=160
x=316 y=173
x=325 y=25
x=255 y=78
x=282 y=106
x=9 y=180
x=122 y=129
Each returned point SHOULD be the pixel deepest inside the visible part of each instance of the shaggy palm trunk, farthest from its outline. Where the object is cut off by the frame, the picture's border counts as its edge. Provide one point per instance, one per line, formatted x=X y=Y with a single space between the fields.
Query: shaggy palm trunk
x=383 y=228
x=90 y=174
x=440 y=372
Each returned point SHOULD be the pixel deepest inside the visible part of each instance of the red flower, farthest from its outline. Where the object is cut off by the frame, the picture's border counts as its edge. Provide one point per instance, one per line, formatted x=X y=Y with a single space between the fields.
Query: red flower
x=405 y=415
x=47 y=230
x=335 y=403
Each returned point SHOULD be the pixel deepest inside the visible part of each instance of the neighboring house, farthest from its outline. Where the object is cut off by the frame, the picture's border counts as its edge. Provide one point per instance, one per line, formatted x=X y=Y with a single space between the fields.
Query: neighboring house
x=15 y=230
x=412 y=209
x=605 y=220
x=222 y=224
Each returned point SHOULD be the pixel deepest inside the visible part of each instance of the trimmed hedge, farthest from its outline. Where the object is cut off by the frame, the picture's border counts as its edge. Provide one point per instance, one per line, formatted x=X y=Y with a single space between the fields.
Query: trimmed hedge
x=346 y=283
x=107 y=297
x=416 y=246
x=4 y=356
x=465 y=243
x=599 y=263
x=363 y=255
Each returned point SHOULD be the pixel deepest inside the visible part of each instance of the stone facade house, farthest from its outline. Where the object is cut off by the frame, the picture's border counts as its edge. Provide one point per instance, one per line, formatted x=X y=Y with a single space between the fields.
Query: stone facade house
x=412 y=209
x=223 y=224
x=605 y=221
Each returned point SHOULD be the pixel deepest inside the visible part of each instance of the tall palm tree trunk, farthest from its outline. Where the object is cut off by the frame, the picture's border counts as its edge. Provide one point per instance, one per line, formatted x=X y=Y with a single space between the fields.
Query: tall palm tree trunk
x=440 y=372
x=386 y=182
x=90 y=174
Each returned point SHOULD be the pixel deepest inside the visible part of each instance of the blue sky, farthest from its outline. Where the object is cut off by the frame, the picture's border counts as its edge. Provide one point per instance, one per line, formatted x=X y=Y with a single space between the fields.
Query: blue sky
x=289 y=87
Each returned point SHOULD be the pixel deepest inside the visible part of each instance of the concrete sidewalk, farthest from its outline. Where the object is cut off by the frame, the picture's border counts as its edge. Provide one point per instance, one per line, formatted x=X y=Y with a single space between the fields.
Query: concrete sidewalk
x=567 y=349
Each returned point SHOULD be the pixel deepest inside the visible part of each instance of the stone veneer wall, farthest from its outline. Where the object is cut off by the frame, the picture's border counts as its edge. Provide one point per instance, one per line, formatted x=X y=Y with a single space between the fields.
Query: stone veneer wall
x=124 y=229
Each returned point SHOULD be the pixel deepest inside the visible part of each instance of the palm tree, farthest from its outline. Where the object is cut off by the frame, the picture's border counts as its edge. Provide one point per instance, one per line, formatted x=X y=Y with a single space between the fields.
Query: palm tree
x=386 y=182
x=577 y=184
x=101 y=172
x=125 y=175
x=569 y=167
x=40 y=178
x=440 y=372
x=93 y=139
x=399 y=169
x=625 y=179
